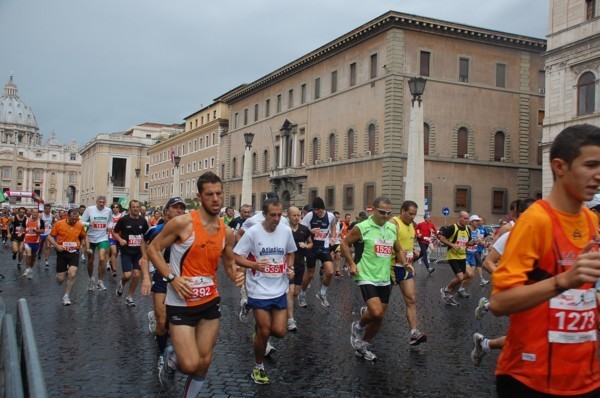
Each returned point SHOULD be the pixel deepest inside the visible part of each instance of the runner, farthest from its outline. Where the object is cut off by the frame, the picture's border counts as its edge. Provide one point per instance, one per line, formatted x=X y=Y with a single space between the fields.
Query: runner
x=267 y=251
x=116 y=214
x=372 y=273
x=129 y=232
x=96 y=219
x=228 y=216
x=48 y=220
x=33 y=229
x=303 y=243
x=245 y=213
x=322 y=228
x=198 y=240
x=426 y=230
x=475 y=252
x=4 y=222
x=16 y=234
x=402 y=268
x=545 y=281
x=67 y=236
x=457 y=237
x=334 y=249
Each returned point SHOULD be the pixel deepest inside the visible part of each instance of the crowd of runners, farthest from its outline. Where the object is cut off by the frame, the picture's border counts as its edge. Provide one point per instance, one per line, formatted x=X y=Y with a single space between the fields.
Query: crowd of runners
x=544 y=265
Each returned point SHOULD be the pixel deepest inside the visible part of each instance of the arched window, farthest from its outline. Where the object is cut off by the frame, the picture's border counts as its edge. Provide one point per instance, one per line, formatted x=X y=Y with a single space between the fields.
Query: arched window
x=234 y=168
x=290 y=151
x=425 y=139
x=315 y=150
x=350 y=143
x=499 y=146
x=586 y=92
x=371 y=137
x=265 y=161
x=462 y=140
x=254 y=163
x=332 y=146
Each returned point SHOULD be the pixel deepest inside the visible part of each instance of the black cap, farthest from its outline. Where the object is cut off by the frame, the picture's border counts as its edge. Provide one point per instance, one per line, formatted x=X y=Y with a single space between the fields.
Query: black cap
x=174 y=201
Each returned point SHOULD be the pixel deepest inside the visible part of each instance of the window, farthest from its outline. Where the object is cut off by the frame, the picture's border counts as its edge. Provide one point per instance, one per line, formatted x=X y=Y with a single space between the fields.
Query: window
x=541 y=81
x=428 y=196
x=233 y=167
x=463 y=70
x=303 y=93
x=232 y=201
x=277 y=157
x=214 y=138
x=6 y=174
x=462 y=139
x=301 y=152
x=222 y=171
x=315 y=150
x=586 y=92
x=369 y=194
x=371 y=139
x=245 y=116
x=254 y=163
x=146 y=169
x=312 y=194
x=317 y=88
x=212 y=162
x=348 y=197
x=278 y=109
x=333 y=81
x=73 y=156
x=194 y=166
x=290 y=99
x=331 y=146
x=189 y=168
x=268 y=108
x=265 y=161
x=500 y=75
x=424 y=63
x=499 y=140
x=353 y=74
x=330 y=198
x=499 y=198
x=373 y=73
x=255 y=112
x=425 y=139
x=462 y=198
x=590 y=9
x=235 y=120
x=350 y=143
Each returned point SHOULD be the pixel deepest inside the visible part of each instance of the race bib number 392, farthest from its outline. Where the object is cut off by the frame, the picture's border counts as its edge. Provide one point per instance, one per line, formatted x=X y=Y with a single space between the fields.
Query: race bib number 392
x=202 y=287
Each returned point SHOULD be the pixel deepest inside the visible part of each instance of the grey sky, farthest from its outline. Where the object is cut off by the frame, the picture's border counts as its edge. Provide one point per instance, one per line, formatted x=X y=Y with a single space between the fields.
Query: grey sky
x=88 y=66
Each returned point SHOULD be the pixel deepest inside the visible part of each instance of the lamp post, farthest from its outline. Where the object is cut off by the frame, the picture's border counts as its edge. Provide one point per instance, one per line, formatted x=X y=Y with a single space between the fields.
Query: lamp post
x=247 y=172
x=176 y=160
x=415 y=163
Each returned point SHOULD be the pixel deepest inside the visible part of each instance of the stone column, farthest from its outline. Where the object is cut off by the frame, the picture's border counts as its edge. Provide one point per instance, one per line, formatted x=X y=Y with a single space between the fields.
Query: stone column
x=415 y=163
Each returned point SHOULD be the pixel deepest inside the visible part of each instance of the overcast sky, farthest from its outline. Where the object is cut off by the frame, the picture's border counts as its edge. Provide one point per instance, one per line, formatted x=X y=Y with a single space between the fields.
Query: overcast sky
x=88 y=66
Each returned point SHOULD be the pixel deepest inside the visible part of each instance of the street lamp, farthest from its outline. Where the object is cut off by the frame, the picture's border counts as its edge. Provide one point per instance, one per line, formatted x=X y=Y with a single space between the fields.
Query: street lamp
x=415 y=162
x=176 y=160
x=247 y=171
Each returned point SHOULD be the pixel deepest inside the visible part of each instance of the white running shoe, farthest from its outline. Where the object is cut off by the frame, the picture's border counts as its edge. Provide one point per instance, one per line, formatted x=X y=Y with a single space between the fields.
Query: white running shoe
x=291 y=325
x=244 y=310
x=302 y=300
x=100 y=285
x=270 y=349
x=91 y=284
x=120 y=288
x=66 y=300
x=482 y=308
x=363 y=351
x=363 y=309
x=151 y=322
x=355 y=335
x=478 y=352
x=463 y=293
x=323 y=298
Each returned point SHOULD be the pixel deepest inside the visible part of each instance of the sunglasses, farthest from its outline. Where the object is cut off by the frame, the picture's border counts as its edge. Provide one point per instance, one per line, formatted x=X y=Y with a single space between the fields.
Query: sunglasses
x=384 y=212
x=115 y=207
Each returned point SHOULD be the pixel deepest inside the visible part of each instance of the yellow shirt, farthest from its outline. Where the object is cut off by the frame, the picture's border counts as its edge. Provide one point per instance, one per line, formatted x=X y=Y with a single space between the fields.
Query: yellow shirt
x=406 y=237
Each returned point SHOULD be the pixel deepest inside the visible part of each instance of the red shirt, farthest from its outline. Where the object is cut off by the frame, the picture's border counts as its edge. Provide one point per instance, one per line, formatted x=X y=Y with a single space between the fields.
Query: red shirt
x=425 y=230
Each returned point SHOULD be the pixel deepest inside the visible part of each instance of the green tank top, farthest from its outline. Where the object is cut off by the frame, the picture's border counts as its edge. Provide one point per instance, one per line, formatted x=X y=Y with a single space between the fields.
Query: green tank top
x=374 y=266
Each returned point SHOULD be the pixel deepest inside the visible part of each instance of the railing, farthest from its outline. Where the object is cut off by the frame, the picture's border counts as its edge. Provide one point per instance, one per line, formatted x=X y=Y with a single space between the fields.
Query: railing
x=20 y=375
x=282 y=172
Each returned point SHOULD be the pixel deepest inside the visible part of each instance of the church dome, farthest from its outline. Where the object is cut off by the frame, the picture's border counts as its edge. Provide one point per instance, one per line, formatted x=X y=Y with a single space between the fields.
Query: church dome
x=13 y=110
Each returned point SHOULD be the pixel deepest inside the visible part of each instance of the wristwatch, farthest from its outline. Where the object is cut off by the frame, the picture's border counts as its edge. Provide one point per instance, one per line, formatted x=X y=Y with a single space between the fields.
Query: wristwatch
x=170 y=278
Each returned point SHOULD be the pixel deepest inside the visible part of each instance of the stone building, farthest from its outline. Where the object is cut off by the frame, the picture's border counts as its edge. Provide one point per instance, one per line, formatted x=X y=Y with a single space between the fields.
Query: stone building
x=572 y=70
x=196 y=149
x=334 y=122
x=116 y=165
x=28 y=163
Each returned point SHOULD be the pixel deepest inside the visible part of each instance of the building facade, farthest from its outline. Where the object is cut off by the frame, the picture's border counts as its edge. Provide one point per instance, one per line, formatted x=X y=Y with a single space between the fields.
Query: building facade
x=196 y=149
x=334 y=122
x=572 y=71
x=28 y=164
x=116 y=165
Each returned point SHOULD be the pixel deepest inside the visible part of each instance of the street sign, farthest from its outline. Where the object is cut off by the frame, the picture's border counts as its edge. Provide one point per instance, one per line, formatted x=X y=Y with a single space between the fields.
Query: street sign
x=445 y=211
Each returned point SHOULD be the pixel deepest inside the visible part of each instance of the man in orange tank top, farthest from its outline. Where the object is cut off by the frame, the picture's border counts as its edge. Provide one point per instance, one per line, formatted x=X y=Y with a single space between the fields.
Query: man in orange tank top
x=198 y=240
x=546 y=281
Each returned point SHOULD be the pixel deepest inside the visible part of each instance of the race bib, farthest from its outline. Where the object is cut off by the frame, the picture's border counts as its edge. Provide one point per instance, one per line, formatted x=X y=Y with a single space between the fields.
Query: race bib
x=383 y=247
x=134 y=240
x=202 y=287
x=19 y=230
x=274 y=269
x=461 y=241
x=573 y=317
x=70 y=246
x=409 y=257
x=322 y=234
x=47 y=229
x=99 y=224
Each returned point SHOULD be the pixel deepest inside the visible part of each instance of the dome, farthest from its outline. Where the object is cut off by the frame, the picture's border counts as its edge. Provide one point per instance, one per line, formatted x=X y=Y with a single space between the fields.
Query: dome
x=13 y=110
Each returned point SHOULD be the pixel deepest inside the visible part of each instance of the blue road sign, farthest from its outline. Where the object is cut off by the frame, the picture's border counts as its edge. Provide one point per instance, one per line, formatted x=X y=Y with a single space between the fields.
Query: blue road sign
x=445 y=211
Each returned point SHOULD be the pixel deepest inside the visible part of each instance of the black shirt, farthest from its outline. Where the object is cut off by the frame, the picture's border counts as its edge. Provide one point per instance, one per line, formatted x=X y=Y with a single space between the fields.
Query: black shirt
x=132 y=231
x=300 y=235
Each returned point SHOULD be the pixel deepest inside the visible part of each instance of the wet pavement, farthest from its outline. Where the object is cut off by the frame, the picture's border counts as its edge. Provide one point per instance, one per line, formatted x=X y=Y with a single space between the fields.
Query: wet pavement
x=99 y=347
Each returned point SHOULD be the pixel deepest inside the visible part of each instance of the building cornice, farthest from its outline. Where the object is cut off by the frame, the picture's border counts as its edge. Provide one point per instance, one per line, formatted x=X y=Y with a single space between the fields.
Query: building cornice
x=183 y=137
x=389 y=20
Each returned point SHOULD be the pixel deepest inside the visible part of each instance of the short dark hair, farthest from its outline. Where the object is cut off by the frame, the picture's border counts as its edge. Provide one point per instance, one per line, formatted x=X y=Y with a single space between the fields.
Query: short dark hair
x=208 y=178
x=22 y=208
x=228 y=208
x=523 y=204
x=82 y=206
x=73 y=210
x=270 y=202
x=336 y=213
x=567 y=144
x=118 y=205
x=381 y=199
x=513 y=205
x=318 y=203
x=408 y=204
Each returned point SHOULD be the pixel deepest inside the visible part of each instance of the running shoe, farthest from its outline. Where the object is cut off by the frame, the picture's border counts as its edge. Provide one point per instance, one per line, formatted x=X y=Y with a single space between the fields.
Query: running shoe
x=91 y=284
x=363 y=309
x=151 y=321
x=66 y=300
x=338 y=274
x=417 y=337
x=108 y=267
x=30 y=274
x=355 y=335
x=430 y=270
x=18 y=266
x=100 y=285
x=161 y=363
x=463 y=293
x=291 y=325
x=39 y=256
x=47 y=265
x=169 y=364
x=129 y=301
x=244 y=311
x=14 y=256
x=323 y=298
x=120 y=288
x=302 y=300
x=83 y=259
x=259 y=376
x=484 y=282
x=482 y=308
x=452 y=301
x=445 y=295
x=269 y=349
x=363 y=351
x=478 y=352
x=114 y=274
x=25 y=273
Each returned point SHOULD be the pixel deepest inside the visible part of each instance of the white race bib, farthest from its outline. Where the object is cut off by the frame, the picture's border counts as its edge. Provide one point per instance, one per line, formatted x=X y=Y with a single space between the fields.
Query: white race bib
x=573 y=317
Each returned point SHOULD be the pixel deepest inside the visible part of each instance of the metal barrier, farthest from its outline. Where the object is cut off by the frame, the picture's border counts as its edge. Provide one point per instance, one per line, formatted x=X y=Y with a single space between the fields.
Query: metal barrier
x=20 y=375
